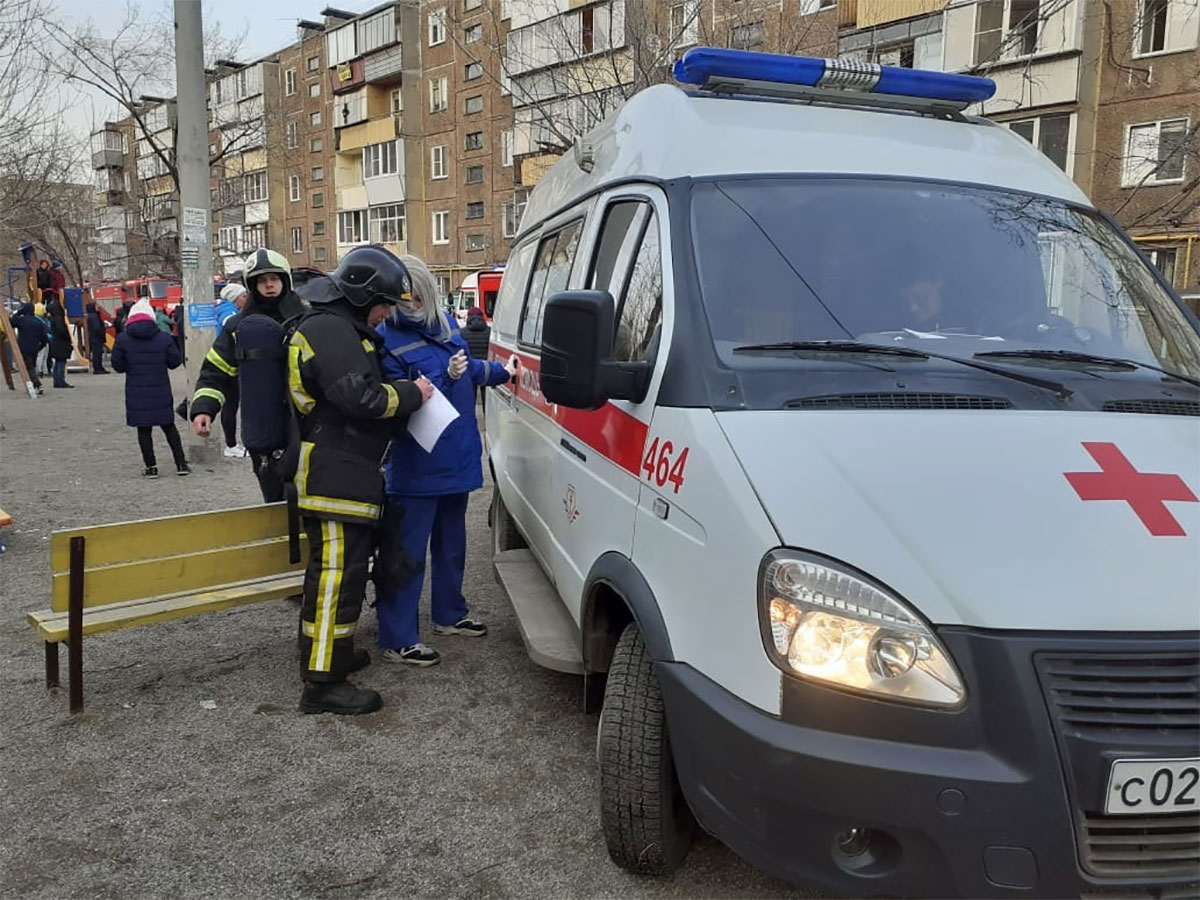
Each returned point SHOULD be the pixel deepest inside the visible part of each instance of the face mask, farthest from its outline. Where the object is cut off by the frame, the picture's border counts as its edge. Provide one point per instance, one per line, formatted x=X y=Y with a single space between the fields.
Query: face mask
x=411 y=311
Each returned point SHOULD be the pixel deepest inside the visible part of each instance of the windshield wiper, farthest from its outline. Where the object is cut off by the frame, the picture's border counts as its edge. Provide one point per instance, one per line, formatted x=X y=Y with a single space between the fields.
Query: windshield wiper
x=910 y=352
x=1112 y=362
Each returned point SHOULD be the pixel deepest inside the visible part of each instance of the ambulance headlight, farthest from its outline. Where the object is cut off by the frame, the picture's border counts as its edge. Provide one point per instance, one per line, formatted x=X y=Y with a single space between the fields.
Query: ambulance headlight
x=825 y=623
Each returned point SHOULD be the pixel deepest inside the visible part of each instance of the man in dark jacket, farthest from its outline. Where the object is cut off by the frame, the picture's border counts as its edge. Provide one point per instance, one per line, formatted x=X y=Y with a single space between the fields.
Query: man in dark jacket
x=96 y=335
x=478 y=335
x=348 y=414
x=121 y=316
x=31 y=338
x=268 y=278
x=45 y=281
x=60 y=340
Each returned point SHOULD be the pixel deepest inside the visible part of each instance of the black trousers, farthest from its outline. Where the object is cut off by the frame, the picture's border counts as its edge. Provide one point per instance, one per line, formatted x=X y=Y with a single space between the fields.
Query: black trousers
x=339 y=555
x=229 y=418
x=97 y=351
x=31 y=368
x=146 y=442
x=270 y=481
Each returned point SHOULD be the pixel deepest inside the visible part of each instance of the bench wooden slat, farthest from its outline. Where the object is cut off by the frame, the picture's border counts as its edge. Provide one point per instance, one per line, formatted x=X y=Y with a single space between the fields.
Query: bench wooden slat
x=122 y=542
x=52 y=626
x=187 y=572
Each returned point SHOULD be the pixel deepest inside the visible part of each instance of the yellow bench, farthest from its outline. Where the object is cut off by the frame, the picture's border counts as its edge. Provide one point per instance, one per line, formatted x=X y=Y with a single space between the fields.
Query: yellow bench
x=128 y=574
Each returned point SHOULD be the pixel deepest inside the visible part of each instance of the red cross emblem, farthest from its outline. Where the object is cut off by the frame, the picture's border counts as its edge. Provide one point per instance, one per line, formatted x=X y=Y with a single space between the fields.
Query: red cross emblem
x=1145 y=492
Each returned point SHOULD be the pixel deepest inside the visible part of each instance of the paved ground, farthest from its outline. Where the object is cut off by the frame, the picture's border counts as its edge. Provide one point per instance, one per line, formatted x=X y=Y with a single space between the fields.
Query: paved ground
x=477 y=779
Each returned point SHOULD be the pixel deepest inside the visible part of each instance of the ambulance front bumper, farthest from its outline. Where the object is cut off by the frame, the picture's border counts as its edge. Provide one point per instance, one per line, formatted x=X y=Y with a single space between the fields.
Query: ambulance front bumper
x=1002 y=798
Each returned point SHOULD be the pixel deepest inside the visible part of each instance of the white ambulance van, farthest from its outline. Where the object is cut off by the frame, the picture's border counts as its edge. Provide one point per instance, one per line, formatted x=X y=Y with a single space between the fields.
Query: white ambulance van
x=854 y=456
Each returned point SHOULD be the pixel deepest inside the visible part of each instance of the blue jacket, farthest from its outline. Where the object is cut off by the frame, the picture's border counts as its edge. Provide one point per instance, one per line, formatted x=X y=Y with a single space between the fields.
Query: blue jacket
x=455 y=465
x=225 y=310
x=144 y=354
x=32 y=335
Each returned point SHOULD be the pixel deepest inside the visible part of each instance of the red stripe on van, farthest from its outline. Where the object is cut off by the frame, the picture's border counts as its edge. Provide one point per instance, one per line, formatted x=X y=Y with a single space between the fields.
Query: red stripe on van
x=610 y=431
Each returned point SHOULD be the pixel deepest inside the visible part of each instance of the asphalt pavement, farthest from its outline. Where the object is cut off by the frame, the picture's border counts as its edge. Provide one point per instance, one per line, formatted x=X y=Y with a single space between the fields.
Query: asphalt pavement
x=191 y=774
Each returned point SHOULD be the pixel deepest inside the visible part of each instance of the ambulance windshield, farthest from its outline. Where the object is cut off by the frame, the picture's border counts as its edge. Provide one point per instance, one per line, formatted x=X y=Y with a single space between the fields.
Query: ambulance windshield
x=941 y=268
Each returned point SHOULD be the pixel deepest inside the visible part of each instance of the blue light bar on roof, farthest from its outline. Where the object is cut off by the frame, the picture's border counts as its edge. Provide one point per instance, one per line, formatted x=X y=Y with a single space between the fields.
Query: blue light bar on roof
x=706 y=66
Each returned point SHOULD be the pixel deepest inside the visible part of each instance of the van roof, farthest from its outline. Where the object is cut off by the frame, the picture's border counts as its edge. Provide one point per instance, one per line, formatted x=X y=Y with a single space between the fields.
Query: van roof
x=665 y=132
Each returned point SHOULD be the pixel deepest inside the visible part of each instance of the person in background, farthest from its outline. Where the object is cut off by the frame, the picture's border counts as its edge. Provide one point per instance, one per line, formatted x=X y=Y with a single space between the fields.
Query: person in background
x=96 y=335
x=229 y=303
x=162 y=320
x=121 y=316
x=478 y=335
x=427 y=491
x=43 y=360
x=145 y=354
x=177 y=315
x=232 y=301
x=60 y=340
x=44 y=280
x=58 y=278
x=31 y=338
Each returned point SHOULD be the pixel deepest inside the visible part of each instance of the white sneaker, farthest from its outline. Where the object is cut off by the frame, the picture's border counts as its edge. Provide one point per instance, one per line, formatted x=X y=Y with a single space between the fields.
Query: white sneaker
x=236 y=452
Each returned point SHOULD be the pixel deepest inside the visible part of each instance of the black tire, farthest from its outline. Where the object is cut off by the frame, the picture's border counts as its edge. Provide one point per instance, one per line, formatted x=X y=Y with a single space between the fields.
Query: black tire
x=647 y=824
x=504 y=530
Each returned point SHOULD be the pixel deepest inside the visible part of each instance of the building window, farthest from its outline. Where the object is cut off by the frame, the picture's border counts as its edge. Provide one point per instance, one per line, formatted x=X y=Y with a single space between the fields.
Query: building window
x=1006 y=29
x=229 y=238
x=437 y=27
x=473 y=34
x=339 y=45
x=474 y=174
x=379 y=160
x=1154 y=153
x=685 y=18
x=473 y=104
x=350 y=226
x=441 y=227
x=387 y=223
x=318 y=200
x=1050 y=134
x=253 y=237
x=437 y=161
x=318 y=173
x=289 y=82
x=896 y=55
x=475 y=210
x=743 y=36
x=1152 y=25
x=314 y=118
x=294 y=188
x=318 y=254
x=293 y=135
x=1163 y=259
x=472 y=70
x=256 y=187
x=476 y=242
x=314 y=89
x=475 y=140
x=316 y=145
x=469 y=5
x=396 y=101
x=319 y=227
x=437 y=94
x=513 y=210
x=506 y=148
x=297 y=240
x=314 y=63
x=378 y=30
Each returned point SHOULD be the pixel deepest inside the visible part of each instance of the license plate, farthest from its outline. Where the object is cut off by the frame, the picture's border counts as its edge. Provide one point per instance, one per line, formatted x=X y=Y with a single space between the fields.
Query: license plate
x=1139 y=787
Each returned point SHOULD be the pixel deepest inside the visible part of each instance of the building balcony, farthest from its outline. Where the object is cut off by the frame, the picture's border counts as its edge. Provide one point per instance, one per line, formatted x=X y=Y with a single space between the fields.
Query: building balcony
x=345 y=76
x=384 y=67
x=115 y=197
x=108 y=159
x=375 y=131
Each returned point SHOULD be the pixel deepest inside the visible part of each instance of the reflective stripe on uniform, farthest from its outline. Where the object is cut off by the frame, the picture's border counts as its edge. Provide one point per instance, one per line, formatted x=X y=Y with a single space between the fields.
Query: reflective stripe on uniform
x=211 y=393
x=334 y=506
x=368 y=345
x=393 y=401
x=299 y=351
x=309 y=629
x=306 y=449
x=329 y=586
x=415 y=345
x=219 y=361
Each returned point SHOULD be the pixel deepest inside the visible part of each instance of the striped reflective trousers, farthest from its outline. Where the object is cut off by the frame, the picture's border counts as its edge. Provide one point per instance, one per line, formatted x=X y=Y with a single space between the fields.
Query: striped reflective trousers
x=339 y=555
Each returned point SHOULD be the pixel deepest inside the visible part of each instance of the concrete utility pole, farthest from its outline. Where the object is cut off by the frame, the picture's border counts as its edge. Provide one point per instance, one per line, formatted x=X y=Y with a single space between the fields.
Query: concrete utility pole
x=191 y=157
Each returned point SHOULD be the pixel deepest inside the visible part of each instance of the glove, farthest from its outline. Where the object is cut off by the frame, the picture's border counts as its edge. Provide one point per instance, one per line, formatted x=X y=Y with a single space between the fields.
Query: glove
x=458 y=365
x=511 y=366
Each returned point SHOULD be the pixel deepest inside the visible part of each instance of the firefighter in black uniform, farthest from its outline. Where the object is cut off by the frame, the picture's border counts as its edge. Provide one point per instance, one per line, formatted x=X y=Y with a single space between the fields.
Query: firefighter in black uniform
x=347 y=416
x=268 y=278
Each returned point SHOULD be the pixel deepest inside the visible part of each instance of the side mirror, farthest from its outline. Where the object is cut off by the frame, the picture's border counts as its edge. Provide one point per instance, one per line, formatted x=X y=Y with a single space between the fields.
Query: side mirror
x=577 y=370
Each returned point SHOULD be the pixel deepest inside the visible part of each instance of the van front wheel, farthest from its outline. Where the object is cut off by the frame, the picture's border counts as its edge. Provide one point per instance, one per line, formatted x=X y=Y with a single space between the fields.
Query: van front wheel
x=647 y=824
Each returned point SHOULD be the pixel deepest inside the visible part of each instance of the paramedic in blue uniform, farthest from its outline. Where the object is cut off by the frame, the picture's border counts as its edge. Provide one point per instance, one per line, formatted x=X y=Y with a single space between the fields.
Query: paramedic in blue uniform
x=427 y=491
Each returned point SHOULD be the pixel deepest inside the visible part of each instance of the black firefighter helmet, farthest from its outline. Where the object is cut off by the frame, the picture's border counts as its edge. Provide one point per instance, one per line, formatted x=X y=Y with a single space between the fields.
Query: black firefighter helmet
x=365 y=277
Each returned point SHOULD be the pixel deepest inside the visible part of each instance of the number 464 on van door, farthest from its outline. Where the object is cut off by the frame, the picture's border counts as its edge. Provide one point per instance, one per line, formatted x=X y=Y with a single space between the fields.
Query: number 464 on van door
x=662 y=466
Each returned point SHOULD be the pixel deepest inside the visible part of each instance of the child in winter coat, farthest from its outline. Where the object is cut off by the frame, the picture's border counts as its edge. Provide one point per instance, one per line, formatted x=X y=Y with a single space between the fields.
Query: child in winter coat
x=144 y=353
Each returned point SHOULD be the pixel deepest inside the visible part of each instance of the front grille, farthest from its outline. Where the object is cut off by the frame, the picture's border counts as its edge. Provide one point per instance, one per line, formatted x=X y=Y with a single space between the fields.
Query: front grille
x=899 y=401
x=1161 y=846
x=1155 y=407
x=1101 y=695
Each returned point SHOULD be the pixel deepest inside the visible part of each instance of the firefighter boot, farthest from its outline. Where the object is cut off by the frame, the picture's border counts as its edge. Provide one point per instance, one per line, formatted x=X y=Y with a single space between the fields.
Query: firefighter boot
x=338 y=697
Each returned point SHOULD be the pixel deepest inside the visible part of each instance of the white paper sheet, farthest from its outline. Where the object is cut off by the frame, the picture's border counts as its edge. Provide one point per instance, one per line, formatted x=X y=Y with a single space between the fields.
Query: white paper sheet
x=427 y=423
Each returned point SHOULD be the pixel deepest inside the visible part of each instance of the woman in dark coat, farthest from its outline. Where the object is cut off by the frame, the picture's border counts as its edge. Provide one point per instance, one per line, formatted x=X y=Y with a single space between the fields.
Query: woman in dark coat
x=145 y=354
x=44 y=280
x=31 y=338
x=60 y=341
x=478 y=335
x=96 y=333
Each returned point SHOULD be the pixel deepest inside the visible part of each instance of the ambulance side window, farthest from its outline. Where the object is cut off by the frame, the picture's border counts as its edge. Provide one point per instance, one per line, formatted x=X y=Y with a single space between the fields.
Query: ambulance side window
x=628 y=264
x=512 y=291
x=555 y=256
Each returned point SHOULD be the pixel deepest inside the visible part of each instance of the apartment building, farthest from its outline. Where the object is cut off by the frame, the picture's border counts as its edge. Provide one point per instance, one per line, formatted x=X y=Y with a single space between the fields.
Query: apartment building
x=114 y=165
x=306 y=151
